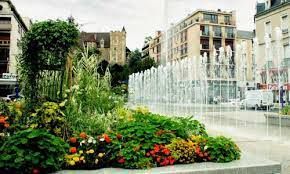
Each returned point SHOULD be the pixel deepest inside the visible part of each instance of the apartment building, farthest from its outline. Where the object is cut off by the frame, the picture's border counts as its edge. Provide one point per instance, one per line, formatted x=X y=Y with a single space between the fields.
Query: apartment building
x=205 y=31
x=12 y=28
x=270 y=15
x=112 y=45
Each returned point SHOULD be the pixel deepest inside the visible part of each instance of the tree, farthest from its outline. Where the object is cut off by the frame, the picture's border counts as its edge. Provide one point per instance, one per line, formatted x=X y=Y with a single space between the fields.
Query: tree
x=138 y=64
x=45 y=47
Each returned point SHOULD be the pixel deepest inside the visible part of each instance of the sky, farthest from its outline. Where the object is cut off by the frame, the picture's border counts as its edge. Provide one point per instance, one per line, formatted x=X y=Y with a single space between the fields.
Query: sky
x=141 y=18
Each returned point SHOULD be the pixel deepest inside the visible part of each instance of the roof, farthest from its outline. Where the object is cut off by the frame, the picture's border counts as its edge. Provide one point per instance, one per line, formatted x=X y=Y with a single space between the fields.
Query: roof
x=16 y=14
x=275 y=4
x=96 y=37
x=245 y=34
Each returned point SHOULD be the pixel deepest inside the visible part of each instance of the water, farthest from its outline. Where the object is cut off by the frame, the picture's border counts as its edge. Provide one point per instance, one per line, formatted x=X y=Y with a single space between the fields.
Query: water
x=212 y=90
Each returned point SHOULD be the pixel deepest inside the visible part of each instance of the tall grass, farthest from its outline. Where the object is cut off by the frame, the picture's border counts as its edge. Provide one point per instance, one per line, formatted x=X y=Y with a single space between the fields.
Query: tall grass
x=90 y=101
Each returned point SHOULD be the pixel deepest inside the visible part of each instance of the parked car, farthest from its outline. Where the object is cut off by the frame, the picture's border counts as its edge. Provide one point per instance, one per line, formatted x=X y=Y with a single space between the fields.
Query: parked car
x=258 y=99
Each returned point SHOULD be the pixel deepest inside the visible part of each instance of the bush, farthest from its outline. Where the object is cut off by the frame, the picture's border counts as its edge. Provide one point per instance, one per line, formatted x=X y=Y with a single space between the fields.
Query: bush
x=222 y=149
x=182 y=150
x=30 y=150
x=50 y=117
x=286 y=110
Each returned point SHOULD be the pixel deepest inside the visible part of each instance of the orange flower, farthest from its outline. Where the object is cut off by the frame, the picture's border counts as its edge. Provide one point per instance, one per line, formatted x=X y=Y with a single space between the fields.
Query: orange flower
x=73 y=150
x=107 y=138
x=6 y=125
x=83 y=135
x=73 y=140
x=3 y=119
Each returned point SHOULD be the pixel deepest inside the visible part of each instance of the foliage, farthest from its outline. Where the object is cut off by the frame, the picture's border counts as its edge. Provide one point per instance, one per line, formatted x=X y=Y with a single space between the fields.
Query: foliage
x=183 y=150
x=50 y=117
x=45 y=47
x=32 y=149
x=201 y=150
x=286 y=110
x=90 y=100
x=161 y=155
x=182 y=127
x=87 y=152
x=222 y=149
x=138 y=64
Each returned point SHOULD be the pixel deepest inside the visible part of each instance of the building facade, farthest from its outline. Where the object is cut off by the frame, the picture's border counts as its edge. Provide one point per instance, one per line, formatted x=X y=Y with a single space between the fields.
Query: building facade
x=12 y=28
x=204 y=32
x=274 y=72
x=112 y=45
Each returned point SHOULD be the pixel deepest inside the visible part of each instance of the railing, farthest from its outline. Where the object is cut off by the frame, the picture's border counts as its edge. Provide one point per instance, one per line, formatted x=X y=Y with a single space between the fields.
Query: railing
x=204 y=33
x=230 y=35
x=217 y=34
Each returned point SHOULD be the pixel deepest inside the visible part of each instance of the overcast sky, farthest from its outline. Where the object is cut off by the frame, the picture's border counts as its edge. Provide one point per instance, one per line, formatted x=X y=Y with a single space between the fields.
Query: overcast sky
x=141 y=18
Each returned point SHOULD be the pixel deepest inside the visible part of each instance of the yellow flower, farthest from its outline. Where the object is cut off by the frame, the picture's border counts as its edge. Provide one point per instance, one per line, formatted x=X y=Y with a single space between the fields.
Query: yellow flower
x=82 y=158
x=72 y=163
x=101 y=155
x=81 y=152
x=96 y=161
x=91 y=151
x=76 y=159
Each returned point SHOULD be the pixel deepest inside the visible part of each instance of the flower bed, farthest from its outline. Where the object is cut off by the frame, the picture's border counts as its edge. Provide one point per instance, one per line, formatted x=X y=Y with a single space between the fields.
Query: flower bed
x=138 y=140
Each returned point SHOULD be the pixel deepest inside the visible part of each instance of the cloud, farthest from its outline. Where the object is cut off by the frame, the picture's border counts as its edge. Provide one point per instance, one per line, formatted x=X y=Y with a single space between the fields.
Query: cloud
x=140 y=17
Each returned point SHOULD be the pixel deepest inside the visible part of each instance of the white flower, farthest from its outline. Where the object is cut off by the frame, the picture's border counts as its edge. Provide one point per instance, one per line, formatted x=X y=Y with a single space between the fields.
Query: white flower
x=90 y=140
x=83 y=142
x=102 y=139
x=2 y=134
x=94 y=141
x=96 y=161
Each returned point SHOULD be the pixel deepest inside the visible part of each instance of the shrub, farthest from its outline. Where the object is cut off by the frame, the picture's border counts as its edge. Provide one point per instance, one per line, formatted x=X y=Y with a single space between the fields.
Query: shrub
x=136 y=140
x=182 y=150
x=222 y=149
x=50 y=117
x=286 y=110
x=32 y=150
x=181 y=127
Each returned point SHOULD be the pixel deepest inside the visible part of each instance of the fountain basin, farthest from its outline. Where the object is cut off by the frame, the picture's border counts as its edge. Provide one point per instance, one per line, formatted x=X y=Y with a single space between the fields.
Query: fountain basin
x=248 y=164
x=274 y=119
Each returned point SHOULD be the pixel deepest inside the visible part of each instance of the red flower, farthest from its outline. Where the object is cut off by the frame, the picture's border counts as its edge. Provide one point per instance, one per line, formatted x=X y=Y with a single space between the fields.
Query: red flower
x=121 y=160
x=166 y=151
x=83 y=135
x=148 y=154
x=73 y=150
x=156 y=148
x=73 y=140
x=6 y=125
x=119 y=136
x=107 y=138
x=35 y=171
x=158 y=159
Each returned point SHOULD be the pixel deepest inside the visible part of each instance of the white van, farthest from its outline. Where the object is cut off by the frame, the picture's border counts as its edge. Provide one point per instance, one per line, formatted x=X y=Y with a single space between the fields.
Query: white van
x=258 y=99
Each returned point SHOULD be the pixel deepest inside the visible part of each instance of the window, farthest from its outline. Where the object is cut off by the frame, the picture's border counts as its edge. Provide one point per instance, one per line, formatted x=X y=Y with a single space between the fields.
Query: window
x=1 y=7
x=286 y=51
x=204 y=29
x=284 y=23
x=210 y=17
x=230 y=32
x=268 y=28
x=5 y=20
x=102 y=43
x=227 y=20
x=218 y=31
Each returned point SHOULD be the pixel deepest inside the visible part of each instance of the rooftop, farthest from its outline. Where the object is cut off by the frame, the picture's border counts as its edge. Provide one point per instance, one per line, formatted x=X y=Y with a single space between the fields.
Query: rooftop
x=270 y=5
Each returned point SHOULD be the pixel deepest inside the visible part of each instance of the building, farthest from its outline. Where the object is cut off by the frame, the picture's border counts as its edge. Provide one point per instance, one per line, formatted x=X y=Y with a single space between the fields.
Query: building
x=112 y=45
x=270 y=15
x=206 y=31
x=12 y=28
